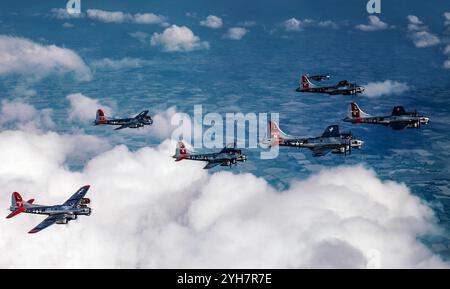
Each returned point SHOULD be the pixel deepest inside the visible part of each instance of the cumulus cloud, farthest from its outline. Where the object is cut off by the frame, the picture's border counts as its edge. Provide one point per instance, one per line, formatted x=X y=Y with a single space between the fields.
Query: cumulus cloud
x=117 y=64
x=17 y=114
x=84 y=108
x=294 y=24
x=177 y=214
x=20 y=56
x=139 y=35
x=374 y=24
x=424 y=39
x=212 y=21
x=67 y=25
x=387 y=87
x=236 y=33
x=178 y=39
x=419 y=33
x=121 y=17
x=328 y=24
x=61 y=13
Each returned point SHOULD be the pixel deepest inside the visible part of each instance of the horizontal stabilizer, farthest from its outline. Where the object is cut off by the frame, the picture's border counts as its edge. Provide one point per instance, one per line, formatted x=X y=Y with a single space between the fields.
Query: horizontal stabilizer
x=16 y=212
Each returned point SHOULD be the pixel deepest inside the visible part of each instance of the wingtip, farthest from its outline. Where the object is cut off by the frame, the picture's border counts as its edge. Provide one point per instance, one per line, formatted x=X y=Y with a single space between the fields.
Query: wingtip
x=33 y=231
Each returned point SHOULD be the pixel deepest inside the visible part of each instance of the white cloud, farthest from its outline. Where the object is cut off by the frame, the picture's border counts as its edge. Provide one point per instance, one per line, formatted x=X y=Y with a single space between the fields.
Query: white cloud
x=332 y=219
x=61 y=13
x=141 y=36
x=148 y=18
x=375 y=24
x=67 y=25
x=292 y=24
x=84 y=108
x=117 y=64
x=193 y=15
x=178 y=39
x=17 y=114
x=236 y=33
x=328 y=24
x=20 y=56
x=387 y=87
x=447 y=18
x=212 y=21
x=447 y=64
x=121 y=17
x=419 y=33
x=424 y=39
x=108 y=16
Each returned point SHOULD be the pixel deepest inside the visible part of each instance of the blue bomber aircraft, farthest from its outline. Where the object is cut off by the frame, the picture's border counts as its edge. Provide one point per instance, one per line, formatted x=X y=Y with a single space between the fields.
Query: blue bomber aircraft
x=398 y=120
x=138 y=121
x=343 y=87
x=330 y=141
x=228 y=156
x=59 y=214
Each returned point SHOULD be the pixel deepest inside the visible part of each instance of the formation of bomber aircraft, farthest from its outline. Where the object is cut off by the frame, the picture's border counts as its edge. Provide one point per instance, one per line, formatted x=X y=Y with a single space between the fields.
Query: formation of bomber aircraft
x=331 y=141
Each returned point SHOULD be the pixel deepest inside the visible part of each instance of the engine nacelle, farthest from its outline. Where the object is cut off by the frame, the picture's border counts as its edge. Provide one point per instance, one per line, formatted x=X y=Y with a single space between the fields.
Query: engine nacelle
x=85 y=201
x=62 y=222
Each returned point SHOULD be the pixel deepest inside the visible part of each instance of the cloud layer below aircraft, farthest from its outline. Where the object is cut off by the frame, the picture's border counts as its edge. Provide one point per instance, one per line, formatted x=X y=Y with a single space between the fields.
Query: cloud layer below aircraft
x=152 y=212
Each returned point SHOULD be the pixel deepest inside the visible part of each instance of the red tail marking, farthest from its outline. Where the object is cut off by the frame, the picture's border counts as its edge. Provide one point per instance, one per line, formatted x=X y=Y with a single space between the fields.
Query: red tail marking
x=18 y=199
x=101 y=118
x=275 y=133
x=305 y=83
x=355 y=110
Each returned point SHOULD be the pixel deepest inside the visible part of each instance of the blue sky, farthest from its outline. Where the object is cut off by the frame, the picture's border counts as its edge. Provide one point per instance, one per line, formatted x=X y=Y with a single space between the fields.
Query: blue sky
x=128 y=66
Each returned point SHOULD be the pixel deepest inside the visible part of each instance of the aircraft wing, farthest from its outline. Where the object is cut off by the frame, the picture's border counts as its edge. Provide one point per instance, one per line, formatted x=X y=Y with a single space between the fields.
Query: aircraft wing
x=399 y=124
x=122 y=126
x=320 y=151
x=76 y=198
x=50 y=220
x=211 y=165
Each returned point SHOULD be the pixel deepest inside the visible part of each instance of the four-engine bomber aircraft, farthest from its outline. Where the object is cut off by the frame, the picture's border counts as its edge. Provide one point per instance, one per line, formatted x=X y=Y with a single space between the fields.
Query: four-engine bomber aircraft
x=399 y=118
x=138 y=121
x=343 y=87
x=59 y=214
x=331 y=141
x=228 y=156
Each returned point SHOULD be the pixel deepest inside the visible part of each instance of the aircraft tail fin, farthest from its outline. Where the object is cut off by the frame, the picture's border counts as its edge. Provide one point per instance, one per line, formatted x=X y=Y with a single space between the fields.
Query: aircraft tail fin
x=356 y=112
x=277 y=136
x=331 y=131
x=305 y=82
x=100 y=118
x=16 y=200
x=17 y=205
x=181 y=152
